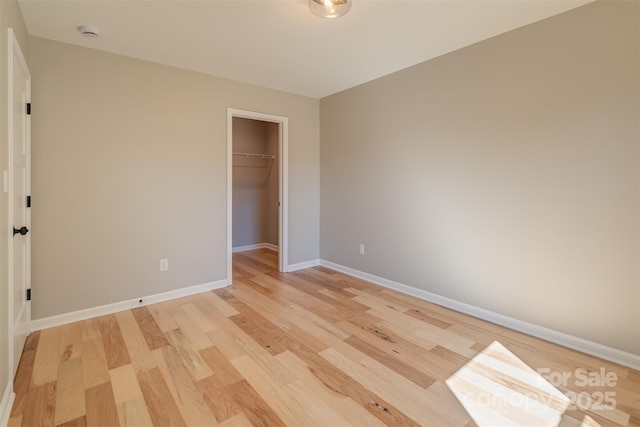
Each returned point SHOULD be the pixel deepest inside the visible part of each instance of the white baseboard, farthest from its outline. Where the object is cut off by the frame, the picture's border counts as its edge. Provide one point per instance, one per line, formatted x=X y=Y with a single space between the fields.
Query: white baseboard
x=88 y=313
x=303 y=265
x=589 y=347
x=256 y=246
x=6 y=404
x=272 y=247
x=570 y=341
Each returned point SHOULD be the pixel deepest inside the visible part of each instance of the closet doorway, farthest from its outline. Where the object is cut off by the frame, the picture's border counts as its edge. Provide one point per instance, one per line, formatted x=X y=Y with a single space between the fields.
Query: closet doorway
x=256 y=184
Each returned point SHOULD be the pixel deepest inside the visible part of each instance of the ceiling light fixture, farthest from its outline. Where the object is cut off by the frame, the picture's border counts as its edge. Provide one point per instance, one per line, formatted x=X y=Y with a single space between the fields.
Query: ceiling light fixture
x=329 y=8
x=89 y=31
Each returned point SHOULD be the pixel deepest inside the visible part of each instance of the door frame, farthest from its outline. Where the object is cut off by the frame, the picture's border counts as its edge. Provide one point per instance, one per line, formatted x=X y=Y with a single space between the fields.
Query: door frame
x=283 y=184
x=15 y=54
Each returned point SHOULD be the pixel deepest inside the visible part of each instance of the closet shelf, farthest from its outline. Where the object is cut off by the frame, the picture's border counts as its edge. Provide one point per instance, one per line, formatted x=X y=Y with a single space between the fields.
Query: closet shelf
x=255 y=156
x=252 y=168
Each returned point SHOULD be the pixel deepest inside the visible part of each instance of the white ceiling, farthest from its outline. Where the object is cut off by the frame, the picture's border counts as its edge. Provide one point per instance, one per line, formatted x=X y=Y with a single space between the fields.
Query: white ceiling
x=278 y=43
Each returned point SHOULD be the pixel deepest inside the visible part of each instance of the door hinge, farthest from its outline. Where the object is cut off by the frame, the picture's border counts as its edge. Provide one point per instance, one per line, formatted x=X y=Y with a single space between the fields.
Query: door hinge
x=28 y=201
x=28 y=108
x=29 y=294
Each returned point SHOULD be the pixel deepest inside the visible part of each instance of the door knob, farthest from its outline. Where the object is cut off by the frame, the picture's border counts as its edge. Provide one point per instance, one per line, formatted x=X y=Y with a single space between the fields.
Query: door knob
x=22 y=230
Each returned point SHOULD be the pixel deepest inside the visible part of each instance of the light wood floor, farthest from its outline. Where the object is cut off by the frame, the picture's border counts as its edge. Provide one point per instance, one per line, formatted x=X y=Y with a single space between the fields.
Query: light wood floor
x=314 y=347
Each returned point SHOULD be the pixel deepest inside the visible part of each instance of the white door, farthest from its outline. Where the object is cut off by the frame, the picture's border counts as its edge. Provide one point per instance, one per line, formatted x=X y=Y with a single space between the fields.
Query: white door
x=19 y=189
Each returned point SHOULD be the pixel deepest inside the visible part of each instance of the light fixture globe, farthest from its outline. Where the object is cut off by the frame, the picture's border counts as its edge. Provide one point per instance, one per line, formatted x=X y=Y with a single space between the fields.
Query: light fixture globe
x=329 y=8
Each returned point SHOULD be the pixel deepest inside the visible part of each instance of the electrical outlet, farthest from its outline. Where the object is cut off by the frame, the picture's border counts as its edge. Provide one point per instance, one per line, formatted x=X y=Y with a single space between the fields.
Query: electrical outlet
x=361 y=249
x=164 y=264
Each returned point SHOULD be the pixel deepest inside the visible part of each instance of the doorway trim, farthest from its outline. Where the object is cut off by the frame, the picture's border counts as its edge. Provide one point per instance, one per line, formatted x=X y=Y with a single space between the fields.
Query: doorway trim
x=283 y=184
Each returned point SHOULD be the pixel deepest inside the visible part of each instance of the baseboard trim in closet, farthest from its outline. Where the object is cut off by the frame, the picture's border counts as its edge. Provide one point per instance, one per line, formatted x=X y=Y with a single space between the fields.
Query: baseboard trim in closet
x=256 y=246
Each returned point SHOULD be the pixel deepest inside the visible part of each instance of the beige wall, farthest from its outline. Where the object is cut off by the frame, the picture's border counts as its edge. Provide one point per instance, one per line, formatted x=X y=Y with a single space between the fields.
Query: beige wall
x=503 y=175
x=10 y=17
x=255 y=183
x=129 y=166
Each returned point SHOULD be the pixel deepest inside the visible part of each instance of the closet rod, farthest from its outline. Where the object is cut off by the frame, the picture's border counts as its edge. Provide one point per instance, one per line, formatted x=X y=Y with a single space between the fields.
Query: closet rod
x=255 y=156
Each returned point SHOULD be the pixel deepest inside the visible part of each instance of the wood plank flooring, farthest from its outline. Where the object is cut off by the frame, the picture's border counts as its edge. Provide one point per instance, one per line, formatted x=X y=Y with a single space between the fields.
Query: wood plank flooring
x=310 y=348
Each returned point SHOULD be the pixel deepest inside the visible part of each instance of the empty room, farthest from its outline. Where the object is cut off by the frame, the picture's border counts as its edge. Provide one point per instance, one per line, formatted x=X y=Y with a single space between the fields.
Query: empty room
x=320 y=213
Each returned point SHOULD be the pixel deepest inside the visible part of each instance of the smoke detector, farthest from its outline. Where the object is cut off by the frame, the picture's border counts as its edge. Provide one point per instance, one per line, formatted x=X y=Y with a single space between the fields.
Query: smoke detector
x=89 y=31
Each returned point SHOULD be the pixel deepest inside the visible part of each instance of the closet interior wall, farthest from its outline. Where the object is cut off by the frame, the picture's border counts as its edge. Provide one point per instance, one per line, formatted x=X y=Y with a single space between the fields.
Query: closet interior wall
x=255 y=183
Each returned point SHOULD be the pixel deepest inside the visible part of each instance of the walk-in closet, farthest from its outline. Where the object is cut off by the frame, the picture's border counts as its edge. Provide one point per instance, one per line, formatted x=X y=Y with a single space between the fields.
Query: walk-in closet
x=255 y=184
